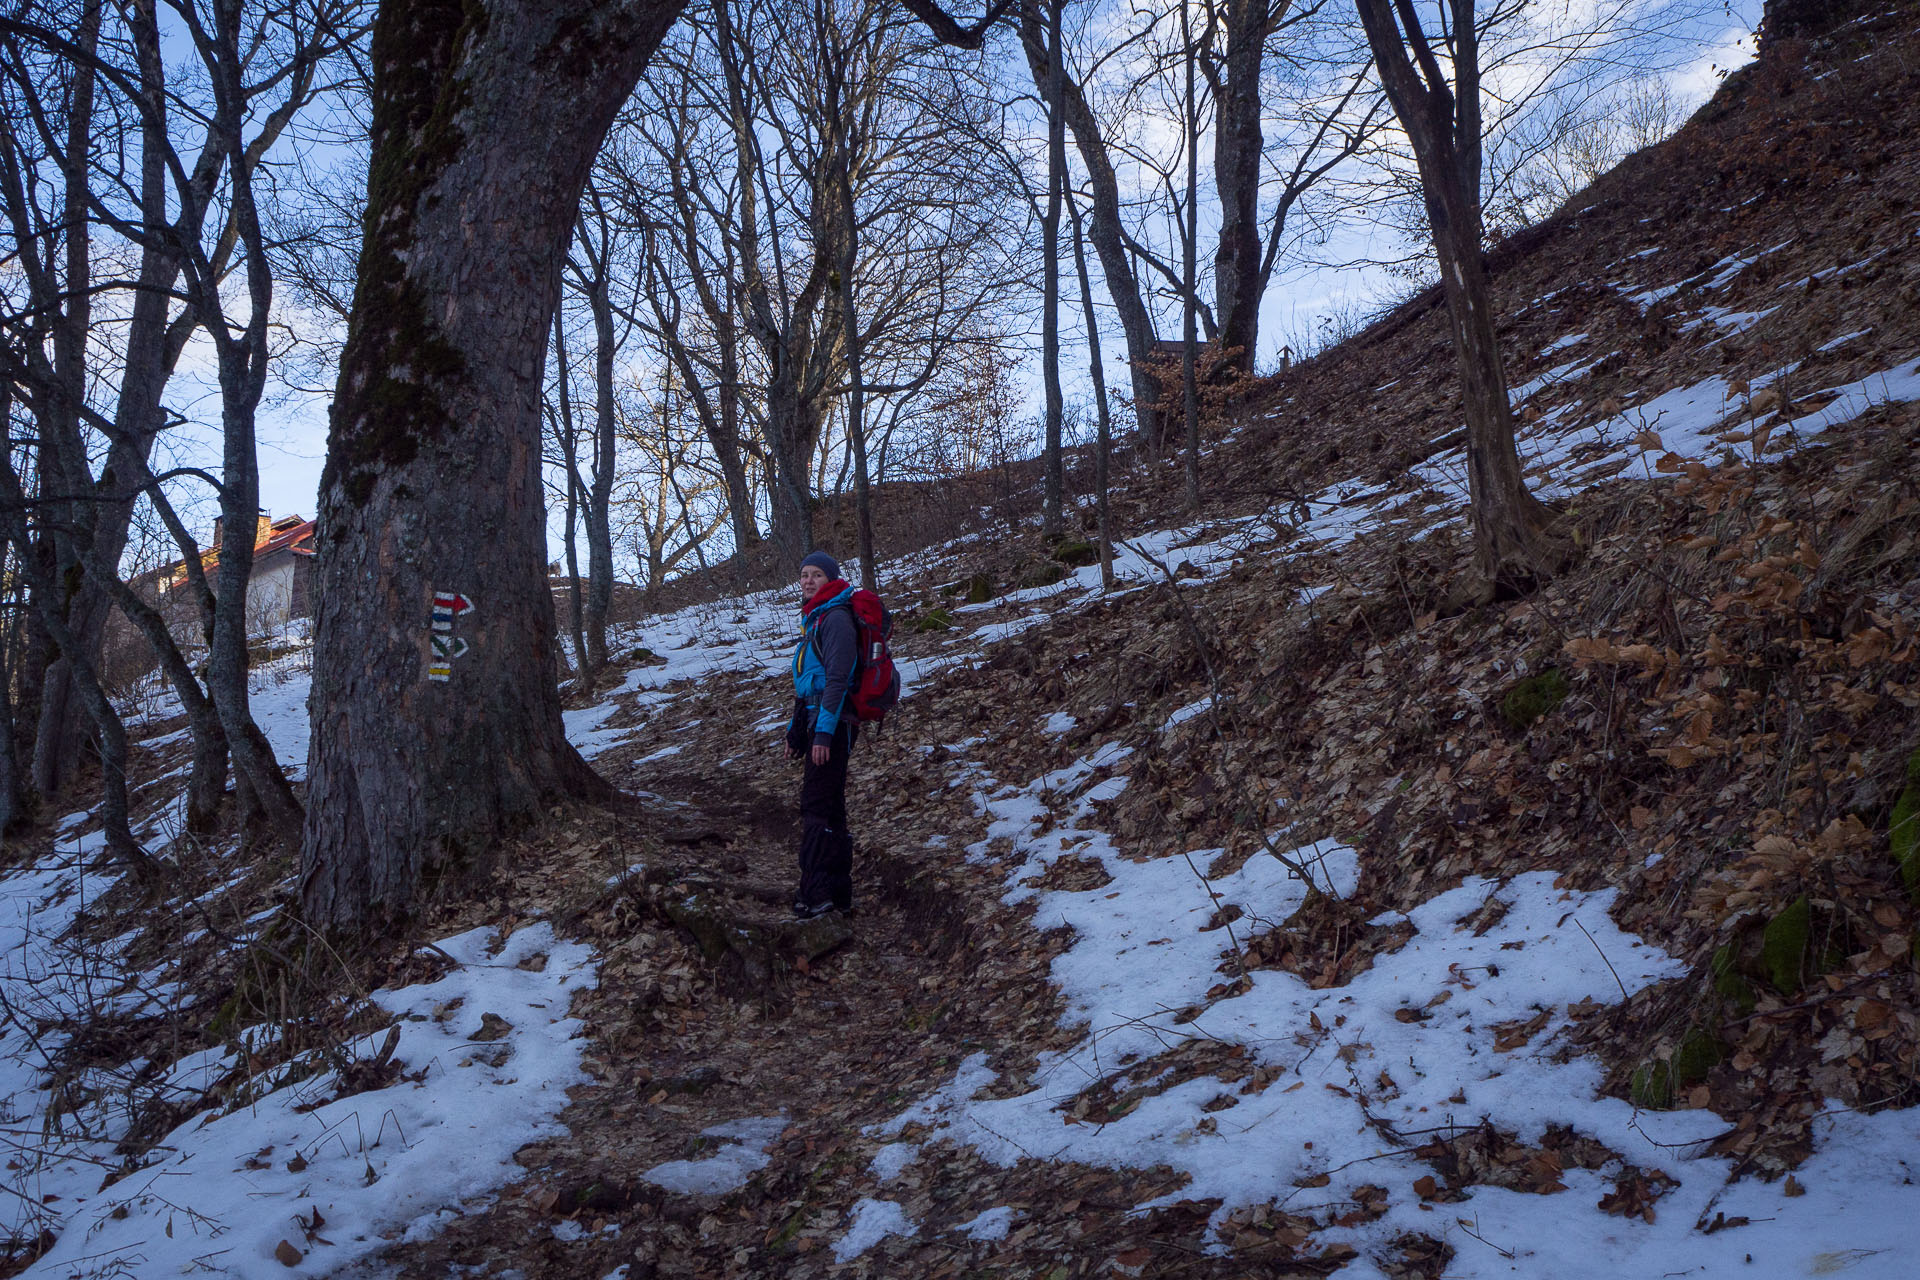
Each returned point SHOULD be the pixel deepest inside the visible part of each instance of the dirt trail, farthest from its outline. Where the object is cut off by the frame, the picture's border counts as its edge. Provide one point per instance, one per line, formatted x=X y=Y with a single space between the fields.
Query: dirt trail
x=934 y=968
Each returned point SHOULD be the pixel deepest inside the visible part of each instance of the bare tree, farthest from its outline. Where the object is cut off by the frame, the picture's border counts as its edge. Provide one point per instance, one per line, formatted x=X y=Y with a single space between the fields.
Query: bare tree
x=845 y=61
x=1053 y=92
x=1189 y=252
x=1105 y=225
x=837 y=241
x=665 y=490
x=792 y=312
x=1096 y=374
x=193 y=222
x=591 y=270
x=1273 y=61
x=1514 y=535
x=670 y=169
x=1563 y=147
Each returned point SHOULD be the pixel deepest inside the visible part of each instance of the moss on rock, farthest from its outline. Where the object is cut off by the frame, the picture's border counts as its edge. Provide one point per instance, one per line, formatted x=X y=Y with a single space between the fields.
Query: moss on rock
x=1783 y=945
x=1076 y=552
x=1043 y=573
x=1697 y=1054
x=1903 y=831
x=1656 y=1084
x=1534 y=697
x=1652 y=1086
x=936 y=620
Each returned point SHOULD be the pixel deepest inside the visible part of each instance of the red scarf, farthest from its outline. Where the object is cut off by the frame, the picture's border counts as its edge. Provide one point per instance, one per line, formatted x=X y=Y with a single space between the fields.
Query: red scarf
x=823 y=595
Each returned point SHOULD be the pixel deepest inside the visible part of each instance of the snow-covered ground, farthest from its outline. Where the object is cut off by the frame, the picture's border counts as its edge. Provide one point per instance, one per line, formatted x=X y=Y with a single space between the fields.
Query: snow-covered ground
x=1412 y=1045
x=1421 y=1042
x=488 y=1051
x=1409 y=1045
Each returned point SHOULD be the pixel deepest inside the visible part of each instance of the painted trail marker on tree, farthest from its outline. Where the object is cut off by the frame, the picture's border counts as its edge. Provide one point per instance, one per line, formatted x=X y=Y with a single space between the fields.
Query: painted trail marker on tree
x=447 y=605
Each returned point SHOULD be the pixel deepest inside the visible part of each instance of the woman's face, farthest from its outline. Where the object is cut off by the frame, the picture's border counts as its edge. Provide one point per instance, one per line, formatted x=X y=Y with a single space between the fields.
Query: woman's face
x=812 y=578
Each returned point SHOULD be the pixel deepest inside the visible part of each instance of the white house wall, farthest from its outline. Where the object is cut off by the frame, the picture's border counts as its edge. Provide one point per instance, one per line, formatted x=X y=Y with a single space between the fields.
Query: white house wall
x=270 y=597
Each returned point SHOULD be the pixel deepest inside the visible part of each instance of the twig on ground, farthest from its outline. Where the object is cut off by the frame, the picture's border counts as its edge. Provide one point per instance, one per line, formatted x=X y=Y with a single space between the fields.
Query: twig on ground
x=1603 y=959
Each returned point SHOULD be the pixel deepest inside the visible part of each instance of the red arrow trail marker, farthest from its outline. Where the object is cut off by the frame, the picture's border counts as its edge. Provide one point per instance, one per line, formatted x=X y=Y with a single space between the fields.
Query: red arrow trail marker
x=447 y=605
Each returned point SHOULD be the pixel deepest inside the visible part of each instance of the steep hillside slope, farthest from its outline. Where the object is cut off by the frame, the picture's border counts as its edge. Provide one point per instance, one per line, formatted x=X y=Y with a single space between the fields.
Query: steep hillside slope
x=1274 y=913
x=1538 y=938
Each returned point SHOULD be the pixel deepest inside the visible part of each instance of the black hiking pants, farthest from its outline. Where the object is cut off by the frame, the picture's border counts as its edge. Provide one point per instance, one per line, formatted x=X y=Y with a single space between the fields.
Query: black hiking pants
x=826 y=846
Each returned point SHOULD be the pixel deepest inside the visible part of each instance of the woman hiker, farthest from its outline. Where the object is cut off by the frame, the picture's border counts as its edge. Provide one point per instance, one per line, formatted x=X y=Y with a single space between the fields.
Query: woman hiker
x=822 y=730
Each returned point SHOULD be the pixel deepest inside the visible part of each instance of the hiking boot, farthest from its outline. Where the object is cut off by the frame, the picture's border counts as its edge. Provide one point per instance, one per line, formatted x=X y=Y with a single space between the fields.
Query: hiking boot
x=812 y=910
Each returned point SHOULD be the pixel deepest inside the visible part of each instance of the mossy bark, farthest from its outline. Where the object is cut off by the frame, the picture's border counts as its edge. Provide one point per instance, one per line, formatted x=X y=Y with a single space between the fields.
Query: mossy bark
x=486 y=120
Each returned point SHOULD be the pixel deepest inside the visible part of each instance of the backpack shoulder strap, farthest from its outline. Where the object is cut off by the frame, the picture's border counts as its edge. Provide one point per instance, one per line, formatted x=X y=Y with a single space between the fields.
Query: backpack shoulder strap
x=812 y=625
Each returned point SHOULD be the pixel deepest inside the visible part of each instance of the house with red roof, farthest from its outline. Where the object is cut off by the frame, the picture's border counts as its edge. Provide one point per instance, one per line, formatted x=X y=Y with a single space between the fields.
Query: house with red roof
x=280 y=589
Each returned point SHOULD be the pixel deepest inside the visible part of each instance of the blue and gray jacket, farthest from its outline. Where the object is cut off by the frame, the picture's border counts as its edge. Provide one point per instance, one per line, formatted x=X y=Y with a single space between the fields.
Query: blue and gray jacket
x=823 y=665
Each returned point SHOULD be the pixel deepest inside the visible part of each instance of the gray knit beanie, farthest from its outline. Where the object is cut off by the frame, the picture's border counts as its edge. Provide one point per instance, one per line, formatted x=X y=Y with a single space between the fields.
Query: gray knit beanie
x=823 y=562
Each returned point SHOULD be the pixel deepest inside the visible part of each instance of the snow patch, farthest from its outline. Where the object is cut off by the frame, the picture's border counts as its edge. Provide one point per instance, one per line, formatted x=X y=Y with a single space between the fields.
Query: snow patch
x=742 y=1154
x=993 y=1224
x=221 y=1192
x=873 y=1221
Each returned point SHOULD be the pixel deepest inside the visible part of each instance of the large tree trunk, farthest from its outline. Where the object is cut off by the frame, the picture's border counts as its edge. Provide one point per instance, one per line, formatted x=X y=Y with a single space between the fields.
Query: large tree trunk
x=724 y=435
x=793 y=430
x=723 y=431
x=485 y=124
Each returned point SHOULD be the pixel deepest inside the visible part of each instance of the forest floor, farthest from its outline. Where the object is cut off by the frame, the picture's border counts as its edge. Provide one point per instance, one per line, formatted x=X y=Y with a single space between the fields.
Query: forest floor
x=1271 y=912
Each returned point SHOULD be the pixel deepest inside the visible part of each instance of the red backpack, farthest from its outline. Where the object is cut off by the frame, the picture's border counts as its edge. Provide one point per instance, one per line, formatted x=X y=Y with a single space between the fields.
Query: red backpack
x=876 y=682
